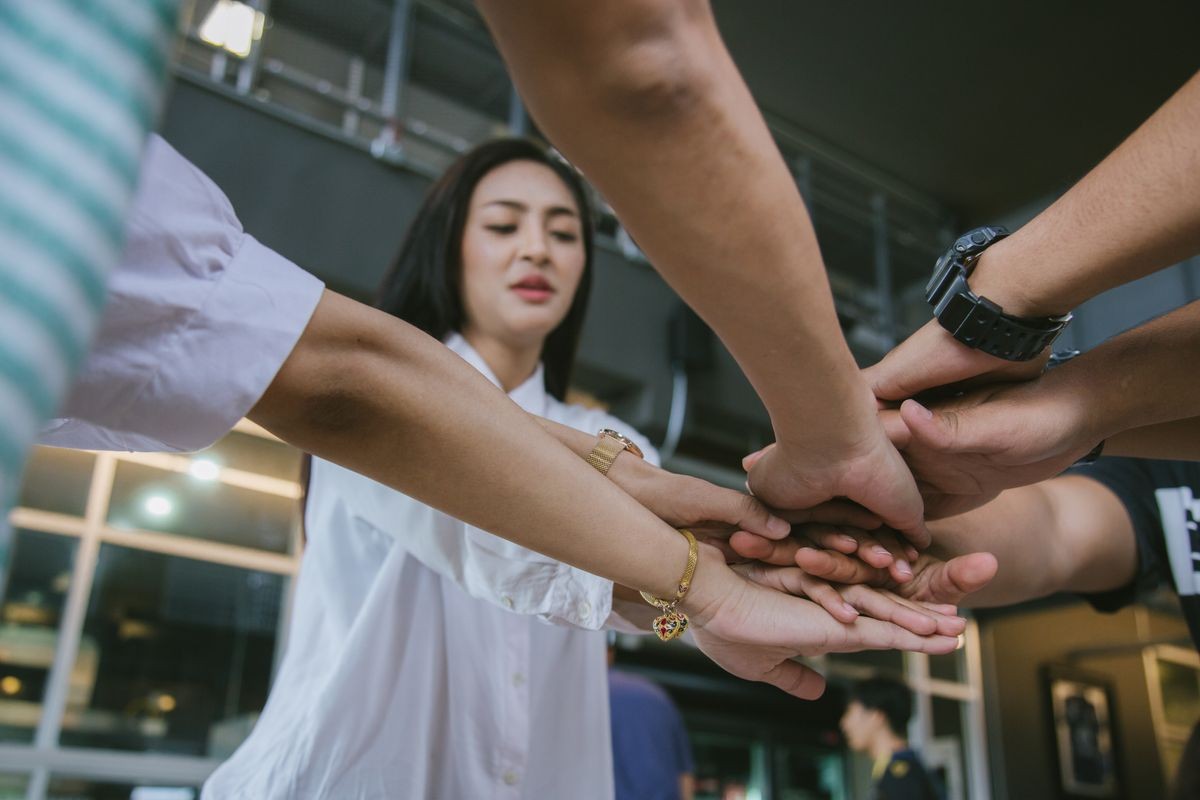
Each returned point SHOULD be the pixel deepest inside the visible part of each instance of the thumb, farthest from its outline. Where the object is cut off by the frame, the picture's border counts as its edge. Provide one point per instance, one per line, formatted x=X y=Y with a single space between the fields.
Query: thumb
x=893 y=425
x=961 y=576
x=964 y=430
x=795 y=679
x=742 y=511
x=749 y=461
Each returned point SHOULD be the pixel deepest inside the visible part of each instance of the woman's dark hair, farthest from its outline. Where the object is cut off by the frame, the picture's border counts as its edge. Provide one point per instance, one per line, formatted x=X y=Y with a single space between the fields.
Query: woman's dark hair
x=424 y=285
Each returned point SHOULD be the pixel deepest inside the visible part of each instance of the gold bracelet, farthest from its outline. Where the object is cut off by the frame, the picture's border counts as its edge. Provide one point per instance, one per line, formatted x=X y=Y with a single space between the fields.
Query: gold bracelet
x=672 y=622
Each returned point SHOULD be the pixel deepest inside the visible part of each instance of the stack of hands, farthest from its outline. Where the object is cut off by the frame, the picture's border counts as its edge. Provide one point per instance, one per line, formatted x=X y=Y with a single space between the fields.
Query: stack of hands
x=833 y=555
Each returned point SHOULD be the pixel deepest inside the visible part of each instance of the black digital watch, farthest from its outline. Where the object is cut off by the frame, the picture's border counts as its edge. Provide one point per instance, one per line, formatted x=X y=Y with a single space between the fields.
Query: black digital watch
x=976 y=321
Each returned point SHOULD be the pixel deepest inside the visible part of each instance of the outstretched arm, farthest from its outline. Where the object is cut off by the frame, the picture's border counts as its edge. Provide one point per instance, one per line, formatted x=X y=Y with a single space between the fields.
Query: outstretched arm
x=644 y=98
x=966 y=450
x=1069 y=534
x=368 y=392
x=1137 y=212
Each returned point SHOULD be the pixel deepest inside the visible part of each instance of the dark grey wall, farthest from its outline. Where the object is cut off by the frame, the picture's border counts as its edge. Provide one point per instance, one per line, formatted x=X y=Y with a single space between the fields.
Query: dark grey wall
x=329 y=207
x=1126 y=306
x=1015 y=647
x=340 y=213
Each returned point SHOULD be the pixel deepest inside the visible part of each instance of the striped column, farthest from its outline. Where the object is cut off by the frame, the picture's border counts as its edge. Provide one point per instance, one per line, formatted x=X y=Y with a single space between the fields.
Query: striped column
x=80 y=84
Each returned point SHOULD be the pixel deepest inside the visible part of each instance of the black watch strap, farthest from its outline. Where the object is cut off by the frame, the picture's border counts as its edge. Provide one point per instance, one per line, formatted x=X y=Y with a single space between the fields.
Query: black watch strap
x=976 y=321
x=979 y=323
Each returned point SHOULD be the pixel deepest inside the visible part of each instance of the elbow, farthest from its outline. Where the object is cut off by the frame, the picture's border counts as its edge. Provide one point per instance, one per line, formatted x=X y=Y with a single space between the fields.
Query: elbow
x=661 y=66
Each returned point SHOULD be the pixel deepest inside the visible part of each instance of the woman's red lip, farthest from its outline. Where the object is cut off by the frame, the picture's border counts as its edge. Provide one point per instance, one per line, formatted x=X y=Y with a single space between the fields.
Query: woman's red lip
x=535 y=284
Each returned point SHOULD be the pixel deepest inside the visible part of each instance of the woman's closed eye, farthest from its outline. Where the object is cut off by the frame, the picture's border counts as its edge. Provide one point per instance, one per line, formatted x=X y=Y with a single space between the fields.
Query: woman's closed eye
x=565 y=236
x=503 y=229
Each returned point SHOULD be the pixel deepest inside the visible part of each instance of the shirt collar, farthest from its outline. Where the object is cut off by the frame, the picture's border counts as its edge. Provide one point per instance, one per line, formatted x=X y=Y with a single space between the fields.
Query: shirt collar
x=530 y=395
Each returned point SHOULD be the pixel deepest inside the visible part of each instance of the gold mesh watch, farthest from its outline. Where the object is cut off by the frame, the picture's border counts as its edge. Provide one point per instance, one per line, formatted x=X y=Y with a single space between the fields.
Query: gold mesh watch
x=611 y=445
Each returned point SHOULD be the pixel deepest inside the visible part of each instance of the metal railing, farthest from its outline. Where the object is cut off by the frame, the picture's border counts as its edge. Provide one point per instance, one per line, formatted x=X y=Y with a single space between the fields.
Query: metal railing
x=842 y=193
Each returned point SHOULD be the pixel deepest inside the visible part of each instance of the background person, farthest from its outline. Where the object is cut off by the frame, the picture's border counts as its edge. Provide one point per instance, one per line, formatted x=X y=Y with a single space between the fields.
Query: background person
x=424 y=637
x=652 y=756
x=876 y=723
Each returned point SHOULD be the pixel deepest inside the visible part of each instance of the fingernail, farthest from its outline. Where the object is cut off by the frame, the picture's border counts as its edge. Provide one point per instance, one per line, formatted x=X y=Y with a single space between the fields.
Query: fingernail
x=903 y=568
x=749 y=491
x=849 y=541
x=779 y=527
x=879 y=550
x=925 y=412
x=961 y=640
x=850 y=609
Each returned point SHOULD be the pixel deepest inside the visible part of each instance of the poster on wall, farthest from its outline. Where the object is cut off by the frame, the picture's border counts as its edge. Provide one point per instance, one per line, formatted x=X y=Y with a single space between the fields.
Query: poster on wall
x=1081 y=716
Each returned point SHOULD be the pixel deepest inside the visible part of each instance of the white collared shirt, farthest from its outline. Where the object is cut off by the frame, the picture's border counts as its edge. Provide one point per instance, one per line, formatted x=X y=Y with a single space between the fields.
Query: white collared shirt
x=199 y=319
x=420 y=663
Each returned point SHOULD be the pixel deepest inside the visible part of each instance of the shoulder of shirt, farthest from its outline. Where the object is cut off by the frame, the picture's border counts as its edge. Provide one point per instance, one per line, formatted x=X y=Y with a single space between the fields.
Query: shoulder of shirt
x=592 y=420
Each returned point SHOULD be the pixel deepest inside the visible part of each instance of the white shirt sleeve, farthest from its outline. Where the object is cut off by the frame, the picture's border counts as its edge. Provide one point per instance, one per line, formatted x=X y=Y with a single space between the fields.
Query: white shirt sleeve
x=199 y=319
x=484 y=566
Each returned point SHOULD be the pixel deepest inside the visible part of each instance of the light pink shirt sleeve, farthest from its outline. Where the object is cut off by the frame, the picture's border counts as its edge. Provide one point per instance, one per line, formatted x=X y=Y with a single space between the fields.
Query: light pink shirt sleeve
x=200 y=317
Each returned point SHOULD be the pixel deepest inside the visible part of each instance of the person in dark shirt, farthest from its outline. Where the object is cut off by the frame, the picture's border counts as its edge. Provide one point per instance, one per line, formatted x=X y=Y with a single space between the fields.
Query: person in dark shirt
x=875 y=722
x=652 y=757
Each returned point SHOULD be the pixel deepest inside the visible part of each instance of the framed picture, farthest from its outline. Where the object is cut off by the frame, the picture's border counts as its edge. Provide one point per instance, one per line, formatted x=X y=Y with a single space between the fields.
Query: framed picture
x=1082 y=725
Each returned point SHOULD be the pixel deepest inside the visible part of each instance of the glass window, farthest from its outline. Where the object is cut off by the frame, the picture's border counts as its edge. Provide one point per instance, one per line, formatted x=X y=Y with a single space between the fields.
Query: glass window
x=1180 y=686
x=947 y=667
x=884 y=661
x=805 y=772
x=12 y=787
x=57 y=480
x=251 y=453
x=176 y=655
x=727 y=767
x=946 y=755
x=86 y=789
x=36 y=581
x=153 y=499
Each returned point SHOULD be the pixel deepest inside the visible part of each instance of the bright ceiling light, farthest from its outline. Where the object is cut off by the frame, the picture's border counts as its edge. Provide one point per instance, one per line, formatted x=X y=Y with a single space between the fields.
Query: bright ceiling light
x=158 y=505
x=203 y=469
x=233 y=26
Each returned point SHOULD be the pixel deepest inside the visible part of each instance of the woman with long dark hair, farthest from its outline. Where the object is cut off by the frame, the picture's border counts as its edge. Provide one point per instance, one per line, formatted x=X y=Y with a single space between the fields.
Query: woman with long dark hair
x=421 y=664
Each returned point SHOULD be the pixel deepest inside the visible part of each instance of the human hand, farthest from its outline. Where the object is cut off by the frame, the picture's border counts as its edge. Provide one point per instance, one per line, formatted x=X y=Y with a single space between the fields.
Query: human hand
x=714 y=512
x=965 y=451
x=845 y=601
x=931 y=359
x=877 y=546
x=934 y=581
x=873 y=476
x=754 y=632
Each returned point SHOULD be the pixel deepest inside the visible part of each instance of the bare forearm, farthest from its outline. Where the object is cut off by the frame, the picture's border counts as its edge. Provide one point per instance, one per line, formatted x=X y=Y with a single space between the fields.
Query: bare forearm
x=1136 y=212
x=1177 y=441
x=1068 y=534
x=377 y=396
x=1013 y=528
x=643 y=96
x=1140 y=378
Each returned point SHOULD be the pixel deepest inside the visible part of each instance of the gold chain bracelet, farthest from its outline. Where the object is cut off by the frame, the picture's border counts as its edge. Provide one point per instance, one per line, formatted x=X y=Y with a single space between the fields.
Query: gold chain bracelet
x=672 y=623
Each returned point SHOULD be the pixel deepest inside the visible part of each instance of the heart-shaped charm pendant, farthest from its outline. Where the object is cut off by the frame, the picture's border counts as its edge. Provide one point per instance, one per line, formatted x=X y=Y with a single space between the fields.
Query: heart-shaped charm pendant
x=670 y=625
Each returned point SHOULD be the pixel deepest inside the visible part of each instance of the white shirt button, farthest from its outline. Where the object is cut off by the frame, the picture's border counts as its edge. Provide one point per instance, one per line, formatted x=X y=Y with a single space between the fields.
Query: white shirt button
x=585 y=609
x=511 y=778
x=507 y=601
x=518 y=679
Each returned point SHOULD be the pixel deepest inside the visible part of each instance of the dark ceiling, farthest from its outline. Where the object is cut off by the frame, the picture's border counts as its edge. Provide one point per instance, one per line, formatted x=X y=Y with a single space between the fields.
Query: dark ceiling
x=984 y=107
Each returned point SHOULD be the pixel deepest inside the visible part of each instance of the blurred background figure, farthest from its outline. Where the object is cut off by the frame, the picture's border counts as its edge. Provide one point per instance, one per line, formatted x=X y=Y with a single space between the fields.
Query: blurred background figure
x=652 y=756
x=876 y=723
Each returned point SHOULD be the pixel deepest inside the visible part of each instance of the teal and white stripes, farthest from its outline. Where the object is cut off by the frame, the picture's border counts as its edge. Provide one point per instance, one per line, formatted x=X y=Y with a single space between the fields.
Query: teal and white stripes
x=80 y=84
